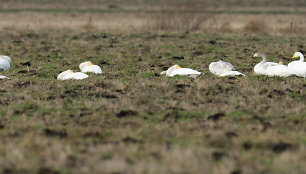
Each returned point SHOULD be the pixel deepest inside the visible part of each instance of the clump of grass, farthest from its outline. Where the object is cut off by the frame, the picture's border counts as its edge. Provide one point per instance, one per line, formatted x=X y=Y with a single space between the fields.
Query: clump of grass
x=225 y=27
x=89 y=25
x=255 y=26
x=293 y=28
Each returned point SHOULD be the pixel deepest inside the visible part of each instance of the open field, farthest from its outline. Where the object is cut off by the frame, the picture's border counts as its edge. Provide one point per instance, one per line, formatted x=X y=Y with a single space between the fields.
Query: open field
x=131 y=119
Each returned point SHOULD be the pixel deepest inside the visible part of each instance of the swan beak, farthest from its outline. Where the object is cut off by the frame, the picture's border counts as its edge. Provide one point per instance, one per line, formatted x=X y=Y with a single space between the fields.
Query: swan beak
x=280 y=63
x=179 y=67
x=293 y=56
x=72 y=71
x=255 y=55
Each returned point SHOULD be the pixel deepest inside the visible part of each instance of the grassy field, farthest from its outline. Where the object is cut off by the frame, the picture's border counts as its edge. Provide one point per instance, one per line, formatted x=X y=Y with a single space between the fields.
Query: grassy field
x=132 y=120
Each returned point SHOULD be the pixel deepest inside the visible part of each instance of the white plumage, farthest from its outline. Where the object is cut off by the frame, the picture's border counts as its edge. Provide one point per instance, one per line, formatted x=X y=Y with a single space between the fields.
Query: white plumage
x=271 y=68
x=89 y=67
x=298 y=67
x=69 y=74
x=222 y=68
x=184 y=72
x=279 y=70
x=5 y=63
x=177 y=70
x=3 y=77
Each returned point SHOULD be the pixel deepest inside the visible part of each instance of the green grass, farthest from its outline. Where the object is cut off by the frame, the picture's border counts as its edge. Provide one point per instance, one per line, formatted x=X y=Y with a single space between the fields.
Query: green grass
x=132 y=120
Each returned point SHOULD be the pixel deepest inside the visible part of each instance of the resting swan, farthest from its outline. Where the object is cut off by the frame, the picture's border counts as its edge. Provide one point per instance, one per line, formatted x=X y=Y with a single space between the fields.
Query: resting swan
x=222 y=68
x=298 y=67
x=271 y=68
x=177 y=70
x=3 y=77
x=5 y=63
x=90 y=67
x=69 y=74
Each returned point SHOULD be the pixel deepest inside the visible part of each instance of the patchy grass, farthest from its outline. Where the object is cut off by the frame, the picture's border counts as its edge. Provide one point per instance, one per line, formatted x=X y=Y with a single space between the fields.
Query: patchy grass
x=132 y=120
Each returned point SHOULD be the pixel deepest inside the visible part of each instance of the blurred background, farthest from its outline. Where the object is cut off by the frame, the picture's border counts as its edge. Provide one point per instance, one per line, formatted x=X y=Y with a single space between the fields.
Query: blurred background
x=260 y=16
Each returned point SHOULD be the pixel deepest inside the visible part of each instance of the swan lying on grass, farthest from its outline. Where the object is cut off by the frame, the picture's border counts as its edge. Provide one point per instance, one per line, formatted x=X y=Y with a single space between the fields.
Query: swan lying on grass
x=271 y=68
x=298 y=67
x=3 y=77
x=177 y=70
x=222 y=68
x=89 y=67
x=69 y=74
x=5 y=63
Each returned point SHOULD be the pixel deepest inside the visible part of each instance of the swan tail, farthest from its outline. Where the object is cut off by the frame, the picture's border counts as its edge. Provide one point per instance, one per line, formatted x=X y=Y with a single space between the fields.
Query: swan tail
x=232 y=73
x=163 y=72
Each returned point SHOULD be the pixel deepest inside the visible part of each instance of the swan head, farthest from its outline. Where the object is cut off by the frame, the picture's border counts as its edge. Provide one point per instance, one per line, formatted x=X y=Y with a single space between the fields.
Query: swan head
x=87 y=63
x=259 y=54
x=6 y=58
x=297 y=54
x=176 y=66
x=63 y=74
x=172 y=68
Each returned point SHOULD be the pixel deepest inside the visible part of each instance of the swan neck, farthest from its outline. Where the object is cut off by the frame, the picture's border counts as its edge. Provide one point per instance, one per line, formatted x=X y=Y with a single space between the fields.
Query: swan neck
x=264 y=58
x=168 y=72
x=301 y=58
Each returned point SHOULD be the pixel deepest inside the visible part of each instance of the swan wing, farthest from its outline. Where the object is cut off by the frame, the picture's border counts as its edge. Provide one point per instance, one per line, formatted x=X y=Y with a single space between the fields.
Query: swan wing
x=221 y=67
x=262 y=67
x=232 y=73
x=92 y=69
x=4 y=65
x=184 y=71
x=267 y=65
x=298 y=68
x=226 y=65
x=79 y=75
x=279 y=70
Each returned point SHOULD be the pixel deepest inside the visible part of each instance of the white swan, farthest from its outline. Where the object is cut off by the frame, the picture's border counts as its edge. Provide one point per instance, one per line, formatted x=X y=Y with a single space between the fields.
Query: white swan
x=177 y=70
x=298 y=67
x=90 y=67
x=69 y=74
x=5 y=63
x=271 y=68
x=222 y=68
x=3 y=77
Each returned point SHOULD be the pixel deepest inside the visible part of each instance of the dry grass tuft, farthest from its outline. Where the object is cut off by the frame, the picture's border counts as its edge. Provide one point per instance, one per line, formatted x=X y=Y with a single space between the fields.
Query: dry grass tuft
x=256 y=26
x=225 y=27
x=89 y=25
x=293 y=28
